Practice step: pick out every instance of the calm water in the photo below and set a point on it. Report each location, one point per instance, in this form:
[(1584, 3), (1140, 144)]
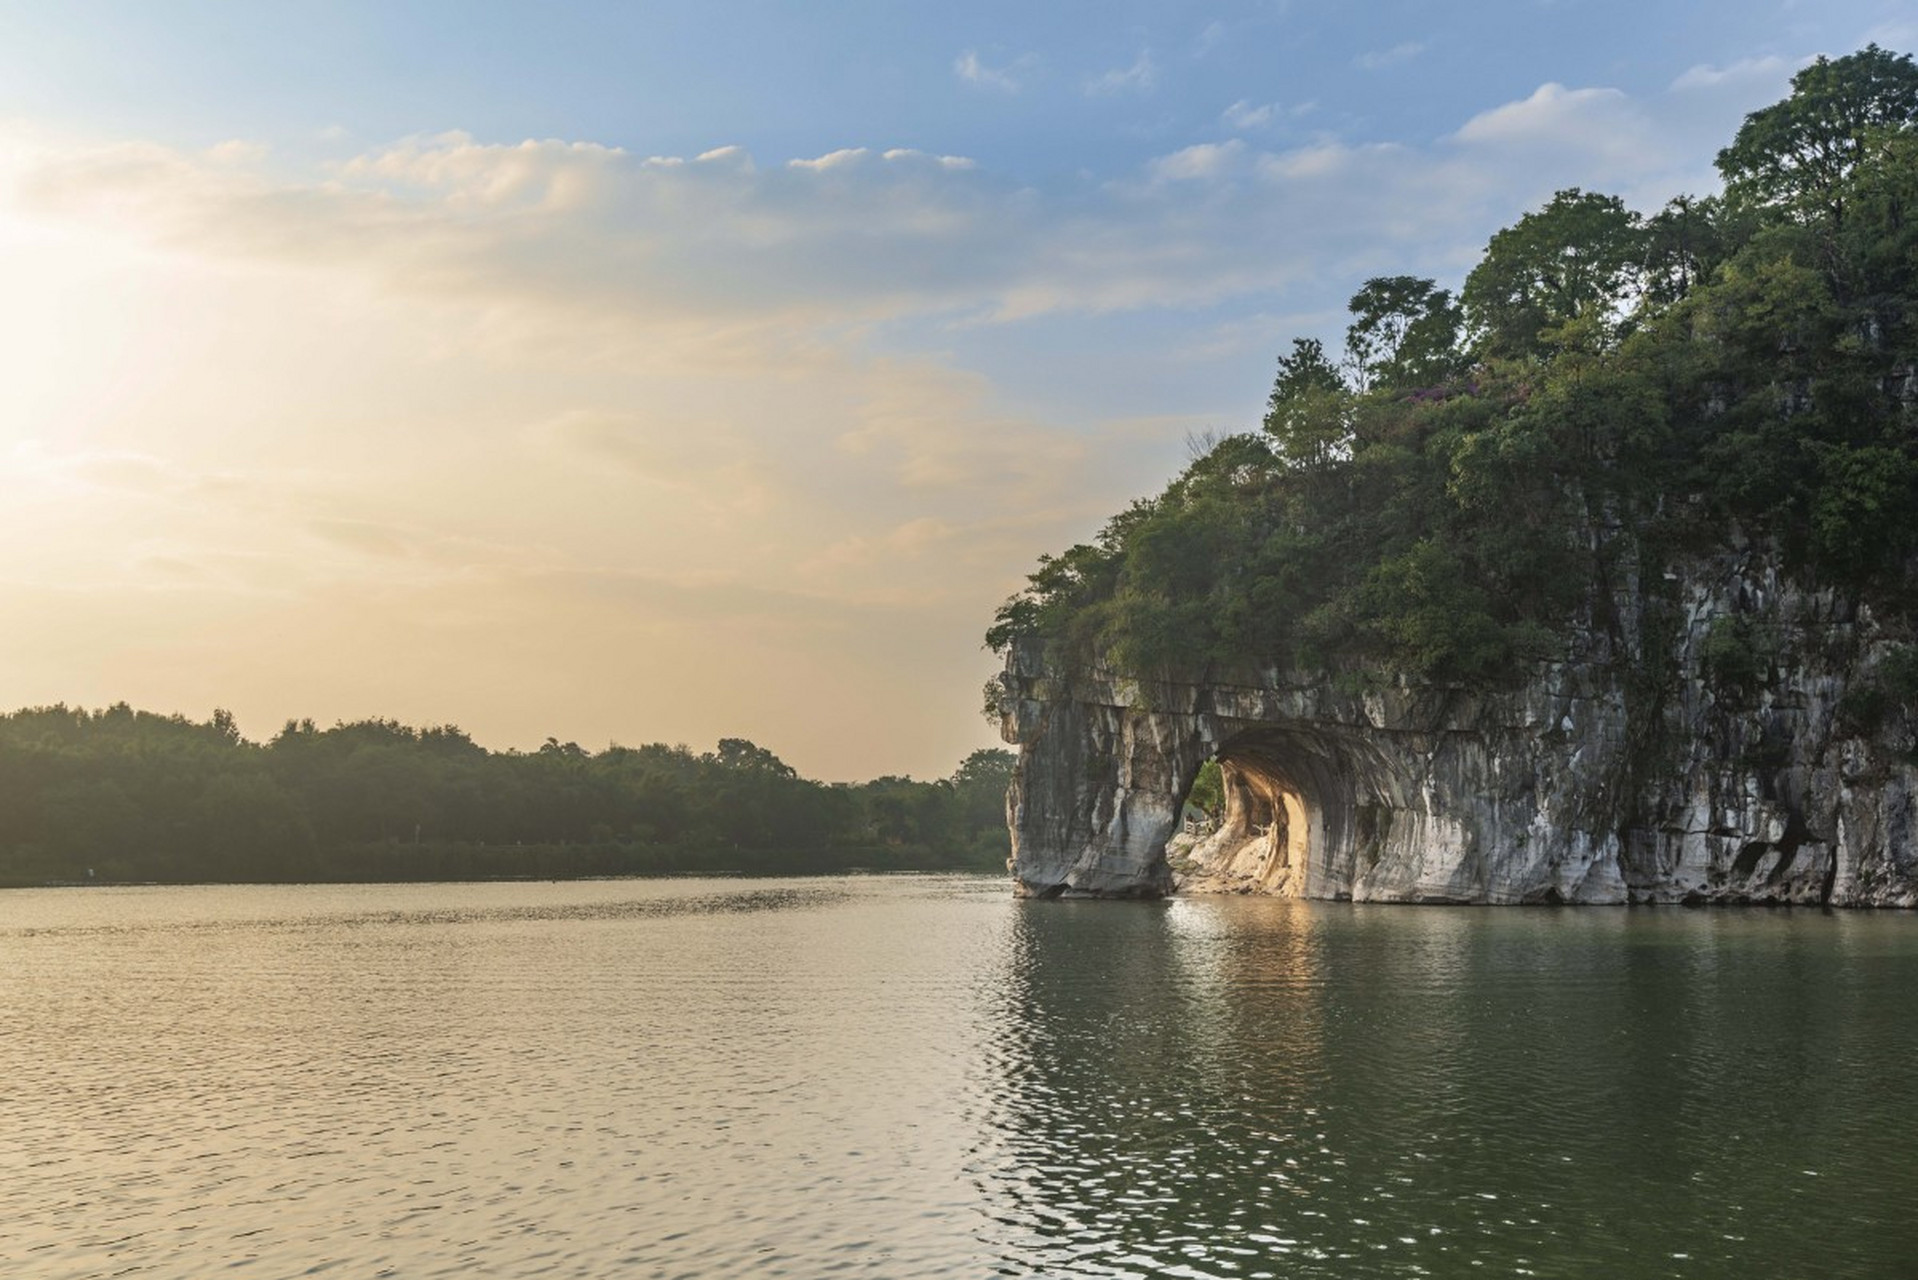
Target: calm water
[(922, 1077)]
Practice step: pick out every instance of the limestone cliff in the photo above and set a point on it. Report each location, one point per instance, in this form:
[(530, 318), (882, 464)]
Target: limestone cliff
[(1639, 766)]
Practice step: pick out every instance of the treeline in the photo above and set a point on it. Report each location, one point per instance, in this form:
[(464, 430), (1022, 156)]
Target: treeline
[(1441, 497), (120, 794)]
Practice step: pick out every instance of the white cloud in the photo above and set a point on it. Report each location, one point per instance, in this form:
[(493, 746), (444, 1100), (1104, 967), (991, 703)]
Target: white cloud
[(1243, 115), (1545, 115), (732, 154), (1379, 59), (907, 155), (1141, 76), (1007, 79), (1203, 161), (1596, 138), (840, 159), (1322, 161), (1705, 76)]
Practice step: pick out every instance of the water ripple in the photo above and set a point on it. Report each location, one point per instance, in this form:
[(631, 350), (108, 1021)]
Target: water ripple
[(906, 1077)]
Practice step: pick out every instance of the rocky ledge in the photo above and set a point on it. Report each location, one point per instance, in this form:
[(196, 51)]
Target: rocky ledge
[(1721, 736)]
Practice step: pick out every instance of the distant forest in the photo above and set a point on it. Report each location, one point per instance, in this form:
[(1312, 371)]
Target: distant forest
[(126, 795)]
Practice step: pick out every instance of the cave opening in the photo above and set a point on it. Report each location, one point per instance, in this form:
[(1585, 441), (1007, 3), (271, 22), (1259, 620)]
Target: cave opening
[(1260, 817)]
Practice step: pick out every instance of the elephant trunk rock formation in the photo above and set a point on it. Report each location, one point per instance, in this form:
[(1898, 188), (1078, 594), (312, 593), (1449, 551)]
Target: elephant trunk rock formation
[(1609, 775)]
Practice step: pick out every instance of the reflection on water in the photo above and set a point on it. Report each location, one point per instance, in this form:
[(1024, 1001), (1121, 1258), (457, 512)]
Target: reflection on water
[(1245, 1087), (922, 1077)]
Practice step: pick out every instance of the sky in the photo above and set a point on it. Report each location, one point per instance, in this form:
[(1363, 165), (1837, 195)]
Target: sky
[(623, 372)]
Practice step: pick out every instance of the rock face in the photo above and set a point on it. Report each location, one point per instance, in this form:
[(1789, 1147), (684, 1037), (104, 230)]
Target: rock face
[(1720, 734)]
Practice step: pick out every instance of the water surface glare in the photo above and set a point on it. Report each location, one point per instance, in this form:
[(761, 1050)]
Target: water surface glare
[(905, 1077)]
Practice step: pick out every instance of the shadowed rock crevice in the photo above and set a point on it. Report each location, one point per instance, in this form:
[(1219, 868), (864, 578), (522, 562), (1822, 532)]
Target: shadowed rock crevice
[(1296, 805)]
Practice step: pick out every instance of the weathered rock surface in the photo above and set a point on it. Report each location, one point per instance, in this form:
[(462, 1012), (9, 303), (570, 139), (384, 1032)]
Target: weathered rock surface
[(1625, 771)]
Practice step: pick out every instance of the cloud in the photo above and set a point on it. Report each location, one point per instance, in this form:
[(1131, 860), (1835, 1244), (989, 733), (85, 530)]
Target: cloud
[(1771, 70), (454, 166), (933, 431), (1323, 161), (1007, 79), (123, 470), (1243, 115), (237, 151), (724, 472), (847, 157), (1595, 138), (1544, 115), (906, 155), (732, 156), (840, 159), (591, 256), (567, 228), (1140, 77), (1204, 160), (910, 541), (1379, 59), (607, 409), (370, 537), (714, 260), (250, 532)]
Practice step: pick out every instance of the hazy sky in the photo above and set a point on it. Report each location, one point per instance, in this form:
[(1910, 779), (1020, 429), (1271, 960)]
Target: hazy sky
[(669, 371)]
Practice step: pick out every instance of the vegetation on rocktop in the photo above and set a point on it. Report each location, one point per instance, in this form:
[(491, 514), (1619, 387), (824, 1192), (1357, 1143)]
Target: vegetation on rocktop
[(129, 795), (1426, 502)]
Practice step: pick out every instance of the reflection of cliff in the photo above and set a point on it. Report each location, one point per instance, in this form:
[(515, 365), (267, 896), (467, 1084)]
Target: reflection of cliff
[(1590, 780), (1229, 1085), (1131, 1045)]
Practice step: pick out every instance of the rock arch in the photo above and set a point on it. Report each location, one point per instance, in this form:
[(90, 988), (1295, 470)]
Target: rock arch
[(1578, 780), (1273, 813), (1402, 794)]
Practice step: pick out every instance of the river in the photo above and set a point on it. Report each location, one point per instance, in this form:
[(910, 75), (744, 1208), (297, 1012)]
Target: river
[(920, 1076)]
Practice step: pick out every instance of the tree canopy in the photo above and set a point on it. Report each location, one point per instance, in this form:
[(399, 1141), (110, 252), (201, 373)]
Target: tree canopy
[(1445, 498), (1404, 333), (1307, 411), (1801, 157), (1571, 261)]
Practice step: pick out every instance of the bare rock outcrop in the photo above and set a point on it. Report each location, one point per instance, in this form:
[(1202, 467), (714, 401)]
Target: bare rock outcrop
[(1714, 736)]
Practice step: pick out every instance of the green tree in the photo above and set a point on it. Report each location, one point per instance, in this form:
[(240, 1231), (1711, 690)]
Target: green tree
[(1684, 243), (750, 757), (1799, 156), (988, 769), (1855, 522), (1208, 791), (1573, 260), (1404, 333), (1308, 414)]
